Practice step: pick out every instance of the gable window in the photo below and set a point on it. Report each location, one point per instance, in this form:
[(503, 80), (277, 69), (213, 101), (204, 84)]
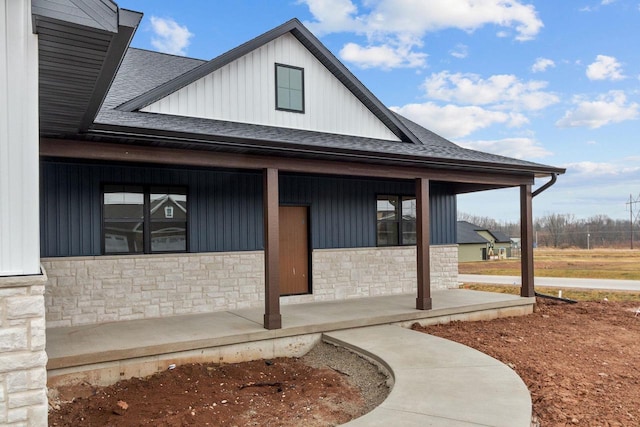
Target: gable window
[(289, 88), (144, 219), (396, 220)]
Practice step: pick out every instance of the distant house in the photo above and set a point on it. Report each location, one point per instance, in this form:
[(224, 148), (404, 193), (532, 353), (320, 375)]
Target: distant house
[(476, 243), (143, 185)]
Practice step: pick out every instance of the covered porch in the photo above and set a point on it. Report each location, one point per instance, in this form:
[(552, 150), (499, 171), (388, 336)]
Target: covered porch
[(107, 352)]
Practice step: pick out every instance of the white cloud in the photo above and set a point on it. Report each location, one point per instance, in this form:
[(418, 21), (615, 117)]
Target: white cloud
[(542, 64), (605, 68), (608, 108), (519, 148), (452, 121), (169, 36), (501, 91), (389, 24), (384, 56), (333, 16), (592, 169), (461, 51), (605, 2)]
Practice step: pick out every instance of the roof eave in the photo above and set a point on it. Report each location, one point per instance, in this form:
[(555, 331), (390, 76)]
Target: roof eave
[(265, 146)]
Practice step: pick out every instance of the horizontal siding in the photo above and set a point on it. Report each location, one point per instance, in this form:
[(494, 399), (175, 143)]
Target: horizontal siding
[(225, 207), (244, 91)]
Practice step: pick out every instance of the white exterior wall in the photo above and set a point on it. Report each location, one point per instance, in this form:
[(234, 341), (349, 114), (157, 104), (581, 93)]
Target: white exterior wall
[(19, 183), (88, 290), (244, 91), (23, 374)]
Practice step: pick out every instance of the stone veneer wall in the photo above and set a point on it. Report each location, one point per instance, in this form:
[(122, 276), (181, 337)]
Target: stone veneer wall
[(368, 272), (88, 290), (23, 374)]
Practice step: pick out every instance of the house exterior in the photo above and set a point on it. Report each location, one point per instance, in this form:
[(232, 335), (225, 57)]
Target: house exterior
[(148, 185), (479, 244)]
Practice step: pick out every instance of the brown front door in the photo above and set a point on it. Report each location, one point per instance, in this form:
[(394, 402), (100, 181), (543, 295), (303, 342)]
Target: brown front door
[(294, 250)]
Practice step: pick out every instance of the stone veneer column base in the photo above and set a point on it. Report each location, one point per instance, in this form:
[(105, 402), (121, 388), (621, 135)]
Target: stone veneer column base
[(23, 374)]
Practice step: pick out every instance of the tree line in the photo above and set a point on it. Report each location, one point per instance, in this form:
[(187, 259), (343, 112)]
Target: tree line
[(565, 230)]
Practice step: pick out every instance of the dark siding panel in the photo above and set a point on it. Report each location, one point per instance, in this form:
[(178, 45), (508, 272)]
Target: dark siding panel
[(343, 210), (225, 207)]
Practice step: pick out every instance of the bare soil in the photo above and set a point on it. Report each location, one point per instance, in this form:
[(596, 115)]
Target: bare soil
[(327, 387), (581, 362)]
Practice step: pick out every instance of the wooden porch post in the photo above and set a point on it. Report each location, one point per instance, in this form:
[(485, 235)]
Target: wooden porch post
[(526, 241), (272, 317), (423, 301)]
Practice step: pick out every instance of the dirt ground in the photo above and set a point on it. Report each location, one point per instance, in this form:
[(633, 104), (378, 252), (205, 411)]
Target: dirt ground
[(581, 362), (328, 386)]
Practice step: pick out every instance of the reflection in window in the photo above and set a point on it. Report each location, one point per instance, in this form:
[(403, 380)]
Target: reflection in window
[(140, 219), (396, 220)]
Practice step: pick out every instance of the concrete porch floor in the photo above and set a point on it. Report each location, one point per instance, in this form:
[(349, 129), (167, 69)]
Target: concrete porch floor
[(78, 347)]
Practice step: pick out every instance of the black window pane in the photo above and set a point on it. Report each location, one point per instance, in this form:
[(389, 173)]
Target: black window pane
[(168, 206), (409, 232), (387, 233), (408, 208), (122, 202), (123, 237), (168, 236), (387, 208)]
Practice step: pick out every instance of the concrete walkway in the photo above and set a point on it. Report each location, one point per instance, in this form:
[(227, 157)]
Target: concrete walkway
[(438, 382), (555, 282)]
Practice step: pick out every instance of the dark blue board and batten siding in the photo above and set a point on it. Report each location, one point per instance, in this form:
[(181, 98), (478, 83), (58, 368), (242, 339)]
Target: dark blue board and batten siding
[(225, 207)]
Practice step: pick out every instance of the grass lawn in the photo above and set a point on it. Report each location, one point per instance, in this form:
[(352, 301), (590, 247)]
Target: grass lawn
[(578, 263)]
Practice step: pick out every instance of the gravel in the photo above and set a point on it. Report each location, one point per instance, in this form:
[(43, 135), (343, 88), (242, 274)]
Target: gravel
[(371, 378)]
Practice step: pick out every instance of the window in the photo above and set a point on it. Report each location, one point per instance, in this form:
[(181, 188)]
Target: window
[(396, 220), (289, 88), (144, 219)]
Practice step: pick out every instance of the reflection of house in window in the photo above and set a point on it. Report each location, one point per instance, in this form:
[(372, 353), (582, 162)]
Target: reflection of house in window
[(140, 219), (396, 220)]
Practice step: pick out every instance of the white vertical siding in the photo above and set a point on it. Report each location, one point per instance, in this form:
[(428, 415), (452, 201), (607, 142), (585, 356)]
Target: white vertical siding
[(19, 183), (244, 91)]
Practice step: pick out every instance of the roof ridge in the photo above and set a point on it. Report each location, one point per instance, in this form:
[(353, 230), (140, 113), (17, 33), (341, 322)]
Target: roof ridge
[(313, 45)]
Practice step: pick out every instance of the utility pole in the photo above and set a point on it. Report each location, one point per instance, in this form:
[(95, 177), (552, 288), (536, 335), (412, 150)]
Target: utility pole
[(632, 219)]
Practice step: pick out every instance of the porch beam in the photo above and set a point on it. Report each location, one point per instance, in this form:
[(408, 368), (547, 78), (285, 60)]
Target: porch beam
[(526, 241), (62, 148), (423, 301), (272, 316)]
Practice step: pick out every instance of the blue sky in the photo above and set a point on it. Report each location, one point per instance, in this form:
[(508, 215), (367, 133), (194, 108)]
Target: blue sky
[(555, 81)]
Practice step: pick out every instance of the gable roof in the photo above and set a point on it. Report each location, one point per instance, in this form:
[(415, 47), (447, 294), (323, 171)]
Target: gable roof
[(141, 71), (307, 39), (468, 234)]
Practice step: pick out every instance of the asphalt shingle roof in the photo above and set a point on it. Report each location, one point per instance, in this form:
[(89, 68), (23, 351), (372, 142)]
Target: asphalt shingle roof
[(143, 70)]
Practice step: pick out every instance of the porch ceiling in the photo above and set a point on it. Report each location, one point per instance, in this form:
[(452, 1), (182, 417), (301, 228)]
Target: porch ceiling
[(80, 48)]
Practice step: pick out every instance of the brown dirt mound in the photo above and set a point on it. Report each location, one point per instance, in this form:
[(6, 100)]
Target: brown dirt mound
[(279, 392)]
